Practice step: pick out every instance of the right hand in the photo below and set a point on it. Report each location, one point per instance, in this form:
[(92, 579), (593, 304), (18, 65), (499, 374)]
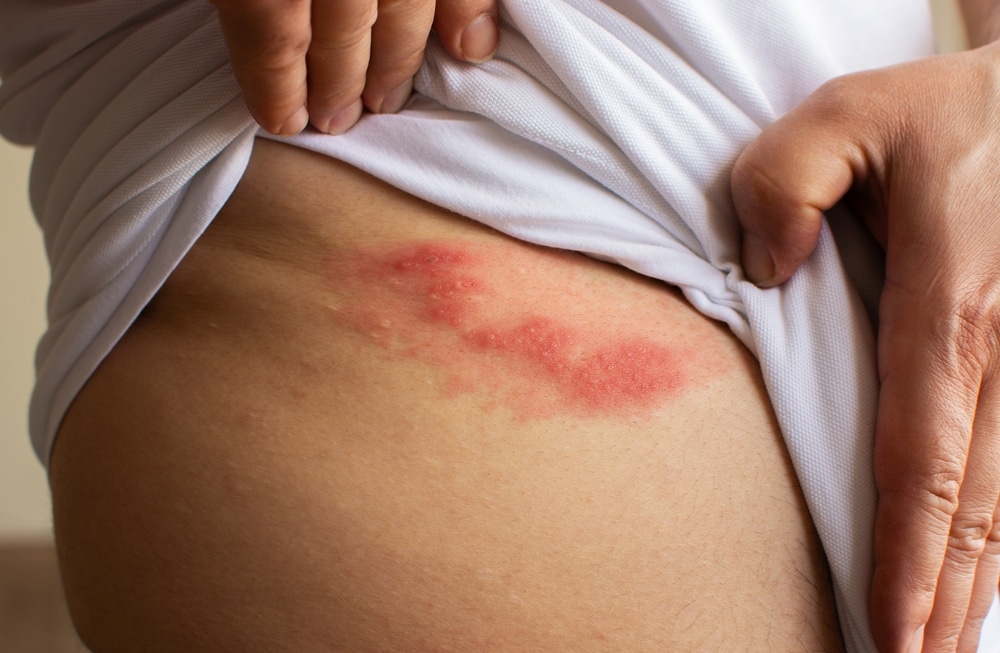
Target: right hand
[(323, 61), (919, 144)]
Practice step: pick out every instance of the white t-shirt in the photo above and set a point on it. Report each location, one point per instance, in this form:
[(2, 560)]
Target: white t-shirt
[(603, 127)]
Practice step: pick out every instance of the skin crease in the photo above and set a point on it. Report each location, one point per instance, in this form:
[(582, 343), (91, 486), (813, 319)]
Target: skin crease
[(917, 146)]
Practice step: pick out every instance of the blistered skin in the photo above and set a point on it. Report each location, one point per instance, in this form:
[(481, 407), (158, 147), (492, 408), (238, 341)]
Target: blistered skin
[(514, 327)]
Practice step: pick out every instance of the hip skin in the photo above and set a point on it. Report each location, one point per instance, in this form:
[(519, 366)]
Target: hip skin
[(352, 421)]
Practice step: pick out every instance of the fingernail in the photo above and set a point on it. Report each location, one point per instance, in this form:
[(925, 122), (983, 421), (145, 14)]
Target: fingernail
[(341, 121), (757, 262), (917, 643), (479, 39), (295, 124), (396, 99)]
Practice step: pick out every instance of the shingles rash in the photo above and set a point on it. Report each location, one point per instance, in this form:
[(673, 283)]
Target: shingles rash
[(491, 320), (623, 372)]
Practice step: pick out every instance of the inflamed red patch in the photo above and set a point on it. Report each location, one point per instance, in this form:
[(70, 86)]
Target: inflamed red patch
[(501, 321)]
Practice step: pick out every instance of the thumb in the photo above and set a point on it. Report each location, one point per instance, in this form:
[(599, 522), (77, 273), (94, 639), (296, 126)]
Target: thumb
[(797, 168)]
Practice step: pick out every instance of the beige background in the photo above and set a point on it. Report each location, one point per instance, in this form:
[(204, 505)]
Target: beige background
[(24, 503)]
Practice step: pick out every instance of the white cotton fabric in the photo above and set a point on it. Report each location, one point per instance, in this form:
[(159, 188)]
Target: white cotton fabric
[(603, 127)]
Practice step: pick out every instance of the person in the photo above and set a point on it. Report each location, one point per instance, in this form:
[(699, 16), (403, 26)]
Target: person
[(382, 503)]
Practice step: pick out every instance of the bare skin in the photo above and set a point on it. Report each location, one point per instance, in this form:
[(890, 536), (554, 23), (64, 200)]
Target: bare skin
[(272, 460), (937, 542)]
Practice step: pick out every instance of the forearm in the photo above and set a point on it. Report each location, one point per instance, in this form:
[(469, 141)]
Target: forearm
[(982, 20)]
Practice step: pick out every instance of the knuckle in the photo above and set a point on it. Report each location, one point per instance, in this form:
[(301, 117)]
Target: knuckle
[(277, 53), (753, 187), (403, 65), (846, 100), (976, 328), (335, 93), (993, 537), (974, 622), (937, 494), (837, 94), (352, 29), (359, 17), (864, 98), (334, 97), (969, 537), (849, 98)]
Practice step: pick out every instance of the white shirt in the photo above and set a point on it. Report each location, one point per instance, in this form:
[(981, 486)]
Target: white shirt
[(603, 127)]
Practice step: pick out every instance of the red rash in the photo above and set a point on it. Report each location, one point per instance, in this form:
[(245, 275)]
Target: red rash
[(478, 315), (627, 372)]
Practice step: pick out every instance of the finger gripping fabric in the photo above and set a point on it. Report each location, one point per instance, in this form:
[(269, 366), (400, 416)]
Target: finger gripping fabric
[(603, 127)]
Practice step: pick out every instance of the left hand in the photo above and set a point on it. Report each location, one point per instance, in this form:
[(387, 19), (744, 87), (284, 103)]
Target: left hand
[(920, 144)]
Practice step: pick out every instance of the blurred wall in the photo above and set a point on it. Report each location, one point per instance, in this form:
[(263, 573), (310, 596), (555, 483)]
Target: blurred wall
[(947, 20), (24, 503), (24, 499)]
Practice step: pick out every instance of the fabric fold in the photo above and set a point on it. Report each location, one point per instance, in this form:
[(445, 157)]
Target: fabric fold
[(607, 128)]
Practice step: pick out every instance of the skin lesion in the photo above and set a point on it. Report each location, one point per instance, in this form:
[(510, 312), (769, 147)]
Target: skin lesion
[(471, 310)]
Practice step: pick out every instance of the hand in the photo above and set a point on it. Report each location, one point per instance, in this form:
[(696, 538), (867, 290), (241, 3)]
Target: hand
[(919, 146), (319, 61)]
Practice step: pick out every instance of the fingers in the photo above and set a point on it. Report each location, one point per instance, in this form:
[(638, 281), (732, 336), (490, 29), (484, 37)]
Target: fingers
[(338, 60), (936, 452), (323, 61), (468, 29), (934, 515), (398, 40), (984, 590), (364, 53), (797, 168), (971, 564), (267, 44)]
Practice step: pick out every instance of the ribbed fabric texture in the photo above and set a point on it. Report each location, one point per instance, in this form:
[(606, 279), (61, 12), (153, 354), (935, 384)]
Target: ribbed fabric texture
[(603, 127)]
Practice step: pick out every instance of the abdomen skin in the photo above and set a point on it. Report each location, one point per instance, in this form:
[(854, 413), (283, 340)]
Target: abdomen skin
[(351, 421)]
